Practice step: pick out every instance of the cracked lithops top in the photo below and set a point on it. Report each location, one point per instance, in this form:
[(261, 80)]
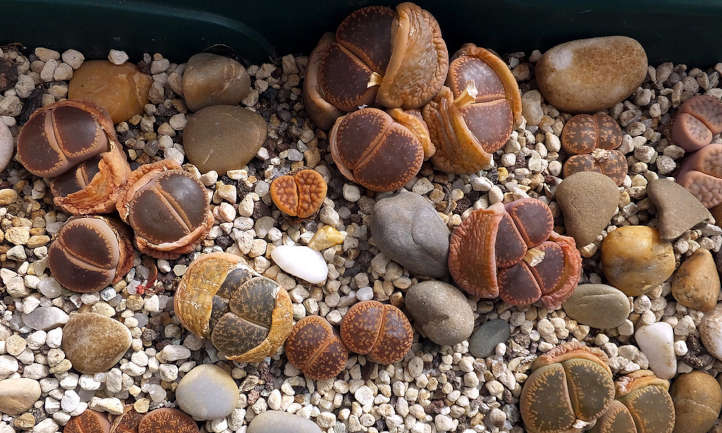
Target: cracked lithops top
[(300, 194), (382, 332), (245, 316), (512, 252), (570, 386)]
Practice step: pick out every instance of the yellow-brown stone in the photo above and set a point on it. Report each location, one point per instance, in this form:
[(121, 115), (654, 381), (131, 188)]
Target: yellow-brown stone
[(696, 283)]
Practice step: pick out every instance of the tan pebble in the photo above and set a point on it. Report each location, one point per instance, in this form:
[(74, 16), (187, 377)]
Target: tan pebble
[(108, 338), (17, 235), (326, 237), (696, 283), (37, 241), (697, 402), (7, 196)]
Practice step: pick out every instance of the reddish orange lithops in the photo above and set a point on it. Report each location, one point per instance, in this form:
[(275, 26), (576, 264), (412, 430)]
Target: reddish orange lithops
[(74, 144), (127, 422), (314, 348), (89, 421), (473, 115), (380, 331), (299, 195), (512, 252), (167, 420), (697, 121)]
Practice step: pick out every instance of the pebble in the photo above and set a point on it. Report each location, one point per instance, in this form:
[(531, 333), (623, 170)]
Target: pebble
[(46, 426), (326, 237), (598, 305), (408, 230), (108, 338), (18, 395), (484, 340), (696, 283), (589, 75), (44, 318), (207, 392), (302, 262), (210, 79), (697, 401), (273, 421), (710, 330), (531, 107), (8, 366), (677, 209), (656, 341), (440, 311), (7, 147), (73, 58), (588, 201), (117, 57)]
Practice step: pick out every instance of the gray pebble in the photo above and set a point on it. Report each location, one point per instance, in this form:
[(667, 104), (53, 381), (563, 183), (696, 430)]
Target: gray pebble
[(7, 146), (45, 318), (485, 339), (273, 421), (598, 305), (440, 311)]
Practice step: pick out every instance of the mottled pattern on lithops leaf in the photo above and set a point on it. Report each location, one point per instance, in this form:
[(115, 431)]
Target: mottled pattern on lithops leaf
[(246, 316), (608, 162), (373, 150), (697, 121), (314, 348), (592, 140), (616, 419), (89, 421), (380, 331), (167, 420), (299, 195), (648, 400), (701, 174), (127, 422)]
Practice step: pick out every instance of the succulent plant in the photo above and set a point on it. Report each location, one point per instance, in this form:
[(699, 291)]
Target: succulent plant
[(167, 420), (314, 348), (382, 332), (89, 421), (300, 195), (697, 120)]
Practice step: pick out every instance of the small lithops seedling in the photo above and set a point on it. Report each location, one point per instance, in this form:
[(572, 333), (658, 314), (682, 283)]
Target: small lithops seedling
[(570, 383), (300, 194), (74, 144), (314, 348), (701, 174), (167, 208), (512, 252), (245, 316), (90, 253), (382, 332), (393, 58), (89, 421), (592, 141), (378, 150), (127, 422), (474, 116), (697, 121), (167, 420), (642, 405)]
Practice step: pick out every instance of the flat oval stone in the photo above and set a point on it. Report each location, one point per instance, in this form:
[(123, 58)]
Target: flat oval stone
[(407, 229), (7, 146), (588, 201), (677, 209), (588, 75), (697, 402), (484, 340), (207, 392), (710, 331), (657, 342), (696, 283), (274, 421), (223, 137), (210, 79), (598, 305), (18, 395), (440, 311), (94, 343), (302, 262)]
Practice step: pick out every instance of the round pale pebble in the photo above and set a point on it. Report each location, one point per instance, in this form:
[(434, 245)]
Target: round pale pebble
[(598, 305), (18, 395), (710, 330), (588, 75), (7, 146), (207, 392), (440, 311), (274, 421), (657, 343), (531, 107), (302, 262)]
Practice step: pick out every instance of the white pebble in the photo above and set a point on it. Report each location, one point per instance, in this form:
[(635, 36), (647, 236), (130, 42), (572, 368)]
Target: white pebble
[(117, 57), (657, 343), (302, 262), (70, 401)]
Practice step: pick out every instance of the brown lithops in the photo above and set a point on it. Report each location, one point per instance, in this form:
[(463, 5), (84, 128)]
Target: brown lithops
[(90, 253), (322, 112), (382, 332), (592, 141), (393, 58), (299, 195), (473, 117), (570, 382), (167, 420), (246, 316), (512, 252), (127, 422), (642, 405), (74, 144), (167, 208), (697, 121), (379, 151), (701, 174), (314, 348), (89, 421)]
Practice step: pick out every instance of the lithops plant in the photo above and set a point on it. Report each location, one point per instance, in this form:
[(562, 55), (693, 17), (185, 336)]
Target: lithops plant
[(395, 58), (642, 405), (378, 150), (473, 117), (314, 348), (381, 332), (697, 121), (90, 253), (167, 208), (701, 174), (73, 144), (300, 194), (89, 421), (592, 141), (167, 420), (245, 316), (511, 251), (128, 421), (570, 386)]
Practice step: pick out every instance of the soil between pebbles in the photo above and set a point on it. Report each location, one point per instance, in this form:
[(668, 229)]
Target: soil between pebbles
[(434, 388)]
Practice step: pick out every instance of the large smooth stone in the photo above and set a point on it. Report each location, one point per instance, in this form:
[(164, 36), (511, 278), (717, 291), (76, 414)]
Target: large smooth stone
[(710, 331), (588, 75), (484, 340), (302, 262), (696, 283), (677, 209), (440, 311), (94, 343), (697, 402), (407, 229), (598, 305), (210, 79), (207, 392), (121, 89), (223, 137), (274, 421), (657, 342), (588, 201), (7, 146), (18, 395)]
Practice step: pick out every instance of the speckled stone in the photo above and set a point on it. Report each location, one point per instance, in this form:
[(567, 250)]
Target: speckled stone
[(598, 305), (440, 311), (207, 392), (94, 343), (18, 395), (485, 339), (274, 421), (677, 209)]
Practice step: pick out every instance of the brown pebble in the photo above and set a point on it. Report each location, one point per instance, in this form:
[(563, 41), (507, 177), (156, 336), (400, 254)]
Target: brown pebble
[(167, 420), (696, 283), (94, 343), (89, 421), (697, 402)]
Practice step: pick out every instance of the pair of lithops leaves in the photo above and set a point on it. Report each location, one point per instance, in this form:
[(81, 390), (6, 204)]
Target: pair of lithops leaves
[(571, 386), (511, 251)]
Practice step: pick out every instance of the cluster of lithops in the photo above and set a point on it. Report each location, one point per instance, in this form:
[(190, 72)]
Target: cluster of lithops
[(156, 421)]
